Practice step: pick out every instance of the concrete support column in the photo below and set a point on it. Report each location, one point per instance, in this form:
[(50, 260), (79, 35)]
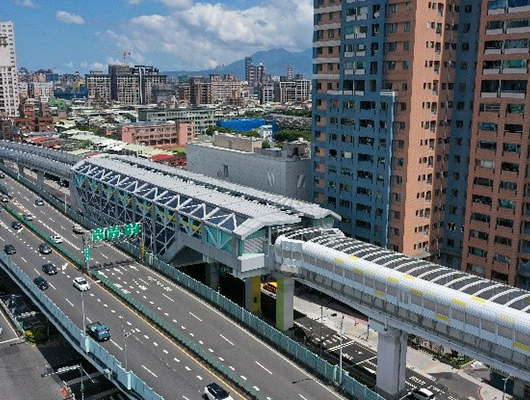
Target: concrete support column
[(253, 295), (20, 169), (284, 303), (40, 179), (212, 275), (391, 360)]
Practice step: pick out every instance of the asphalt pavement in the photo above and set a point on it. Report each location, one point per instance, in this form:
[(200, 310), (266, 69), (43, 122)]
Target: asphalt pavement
[(157, 360)]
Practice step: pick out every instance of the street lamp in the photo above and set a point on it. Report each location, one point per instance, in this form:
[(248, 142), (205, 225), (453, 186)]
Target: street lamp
[(340, 353), (506, 379), (126, 334)]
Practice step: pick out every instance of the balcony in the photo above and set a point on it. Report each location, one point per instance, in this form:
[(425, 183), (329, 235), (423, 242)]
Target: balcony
[(512, 94), (515, 70), (515, 50), (522, 29), (493, 50), (494, 32), (489, 94), (491, 71)]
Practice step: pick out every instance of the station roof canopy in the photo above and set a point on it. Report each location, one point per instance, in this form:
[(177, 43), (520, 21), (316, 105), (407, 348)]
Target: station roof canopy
[(229, 206)]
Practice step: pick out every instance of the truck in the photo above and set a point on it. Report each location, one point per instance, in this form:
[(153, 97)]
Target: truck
[(98, 331)]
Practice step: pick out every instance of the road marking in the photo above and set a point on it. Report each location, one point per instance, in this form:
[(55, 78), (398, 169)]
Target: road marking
[(52, 220), (194, 316), (175, 321), (201, 342), (148, 370), (183, 327), (167, 297), (210, 350), (1, 238), (302, 396), (62, 227), (221, 359), (263, 367), (128, 323), (227, 340), (36, 271), (69, 302), (140, 279), (147, 337), (176, 359), (51, 284), (155, 344), (113, 311), (232, 368), (243, 377), (103, 255), (116, 344), (185, 398), (88, 319), (199, 377), (187, 368), (165, 351), (23, 259), (105, 305), (192, 335)]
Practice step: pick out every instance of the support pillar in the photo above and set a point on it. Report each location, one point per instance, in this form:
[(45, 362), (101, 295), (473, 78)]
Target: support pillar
[(253, 295), (212, 275), (40, 178), (21, 169), (284, 303), (391, 360)]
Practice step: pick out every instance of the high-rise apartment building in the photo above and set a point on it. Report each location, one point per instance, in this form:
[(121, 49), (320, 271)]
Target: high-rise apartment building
[(9, 101), (248, 67), (290, 72), (497, 221), (384, 98)]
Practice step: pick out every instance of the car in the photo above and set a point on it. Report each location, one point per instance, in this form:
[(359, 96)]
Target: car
[(78, 229), (215, 392), (56, 239), (44, 248), (16, 225), (2, 176), (41, 283), (29, 216), (39, 202), (5, 199), (49, 269), (81, 284), (422, 394), (9, 249)]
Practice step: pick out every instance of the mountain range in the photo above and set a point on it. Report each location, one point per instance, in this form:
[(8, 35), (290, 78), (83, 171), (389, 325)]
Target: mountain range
[(275, 61)]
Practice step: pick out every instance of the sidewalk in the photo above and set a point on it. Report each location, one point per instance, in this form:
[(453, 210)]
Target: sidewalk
[(356, 328)]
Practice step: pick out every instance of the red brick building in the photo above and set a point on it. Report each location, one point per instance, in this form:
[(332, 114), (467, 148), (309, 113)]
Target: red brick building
[(158, 134)]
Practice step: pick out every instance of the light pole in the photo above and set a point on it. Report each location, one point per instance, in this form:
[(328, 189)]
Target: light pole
[(340, 352), (321, 323), (505, 382), (126, 334), (65, 202)]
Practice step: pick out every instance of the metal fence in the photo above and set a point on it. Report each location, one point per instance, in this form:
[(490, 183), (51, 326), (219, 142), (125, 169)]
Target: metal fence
[(282, 342), (128, 381)]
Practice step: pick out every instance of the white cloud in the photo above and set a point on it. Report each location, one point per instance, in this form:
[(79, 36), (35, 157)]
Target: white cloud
[(97, 66), (133, 2), (69, 18), (181, 4), (69, 64), (84, 64), (25, 3), (205, 35)]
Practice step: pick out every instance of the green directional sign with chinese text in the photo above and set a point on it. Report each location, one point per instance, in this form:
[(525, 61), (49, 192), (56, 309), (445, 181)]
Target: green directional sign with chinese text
[(113, 232), (98, 234), (132, 229)]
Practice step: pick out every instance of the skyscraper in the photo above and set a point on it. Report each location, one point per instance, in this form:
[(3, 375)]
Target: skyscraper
[(9, 101), (383, 96), (497, 221), (290, 72), (248, 67)]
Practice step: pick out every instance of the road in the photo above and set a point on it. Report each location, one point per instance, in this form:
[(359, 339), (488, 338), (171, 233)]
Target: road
[(159, 362)]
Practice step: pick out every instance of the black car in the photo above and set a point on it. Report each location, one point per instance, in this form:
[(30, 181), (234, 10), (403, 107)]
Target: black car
[(16, 225), (49, 268), (9, 249), (44, 248), (39, 202), (41, 283)]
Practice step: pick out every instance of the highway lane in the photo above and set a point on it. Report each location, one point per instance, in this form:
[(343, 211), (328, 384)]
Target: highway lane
[(165, 367), (232, 345)]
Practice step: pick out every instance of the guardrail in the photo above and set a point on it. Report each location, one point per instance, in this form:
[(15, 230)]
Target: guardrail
[(96, 354), (282, 342)]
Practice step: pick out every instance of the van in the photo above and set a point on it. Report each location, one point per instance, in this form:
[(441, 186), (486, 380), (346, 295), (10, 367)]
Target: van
[(423, 394)]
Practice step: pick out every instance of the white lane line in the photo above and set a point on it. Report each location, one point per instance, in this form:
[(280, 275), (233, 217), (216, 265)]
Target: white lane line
[(52, 220), (263, 367), (88, 319), (1, 238), (194, 316), (140, 279), (151, 372), (34, 269), (155, 344), (167, 297), (51, 284), (116, 344), (187, 368), (201, 342), (62, 227), (199, 377), (69, 302), (185, 398), (176, 359), (227, 340), (165, 351), (103, 255), (23, 259), (128, 323), (302, 396)]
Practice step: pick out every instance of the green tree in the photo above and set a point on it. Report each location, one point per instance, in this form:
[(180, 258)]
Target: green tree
[(291, 135)]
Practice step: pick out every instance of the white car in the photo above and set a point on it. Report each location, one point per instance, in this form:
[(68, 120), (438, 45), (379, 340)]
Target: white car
[(29, 216), (81, 283), (423, 394), (215, 392), (78, 229), (56, 239)]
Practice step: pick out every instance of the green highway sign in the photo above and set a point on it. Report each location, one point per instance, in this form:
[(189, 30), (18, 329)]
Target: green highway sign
[(113, 232), (132, 229), (86, 253), (98, 234)]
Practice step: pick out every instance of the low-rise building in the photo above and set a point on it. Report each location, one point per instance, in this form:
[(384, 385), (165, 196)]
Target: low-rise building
[(202, 118), (158, 134), (242, 160)]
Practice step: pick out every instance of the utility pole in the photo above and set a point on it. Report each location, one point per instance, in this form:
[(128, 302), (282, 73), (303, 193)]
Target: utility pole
[(321, 323), (340, 353)]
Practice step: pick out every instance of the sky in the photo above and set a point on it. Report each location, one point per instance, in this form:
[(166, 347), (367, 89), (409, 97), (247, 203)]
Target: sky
[(83, 35)]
